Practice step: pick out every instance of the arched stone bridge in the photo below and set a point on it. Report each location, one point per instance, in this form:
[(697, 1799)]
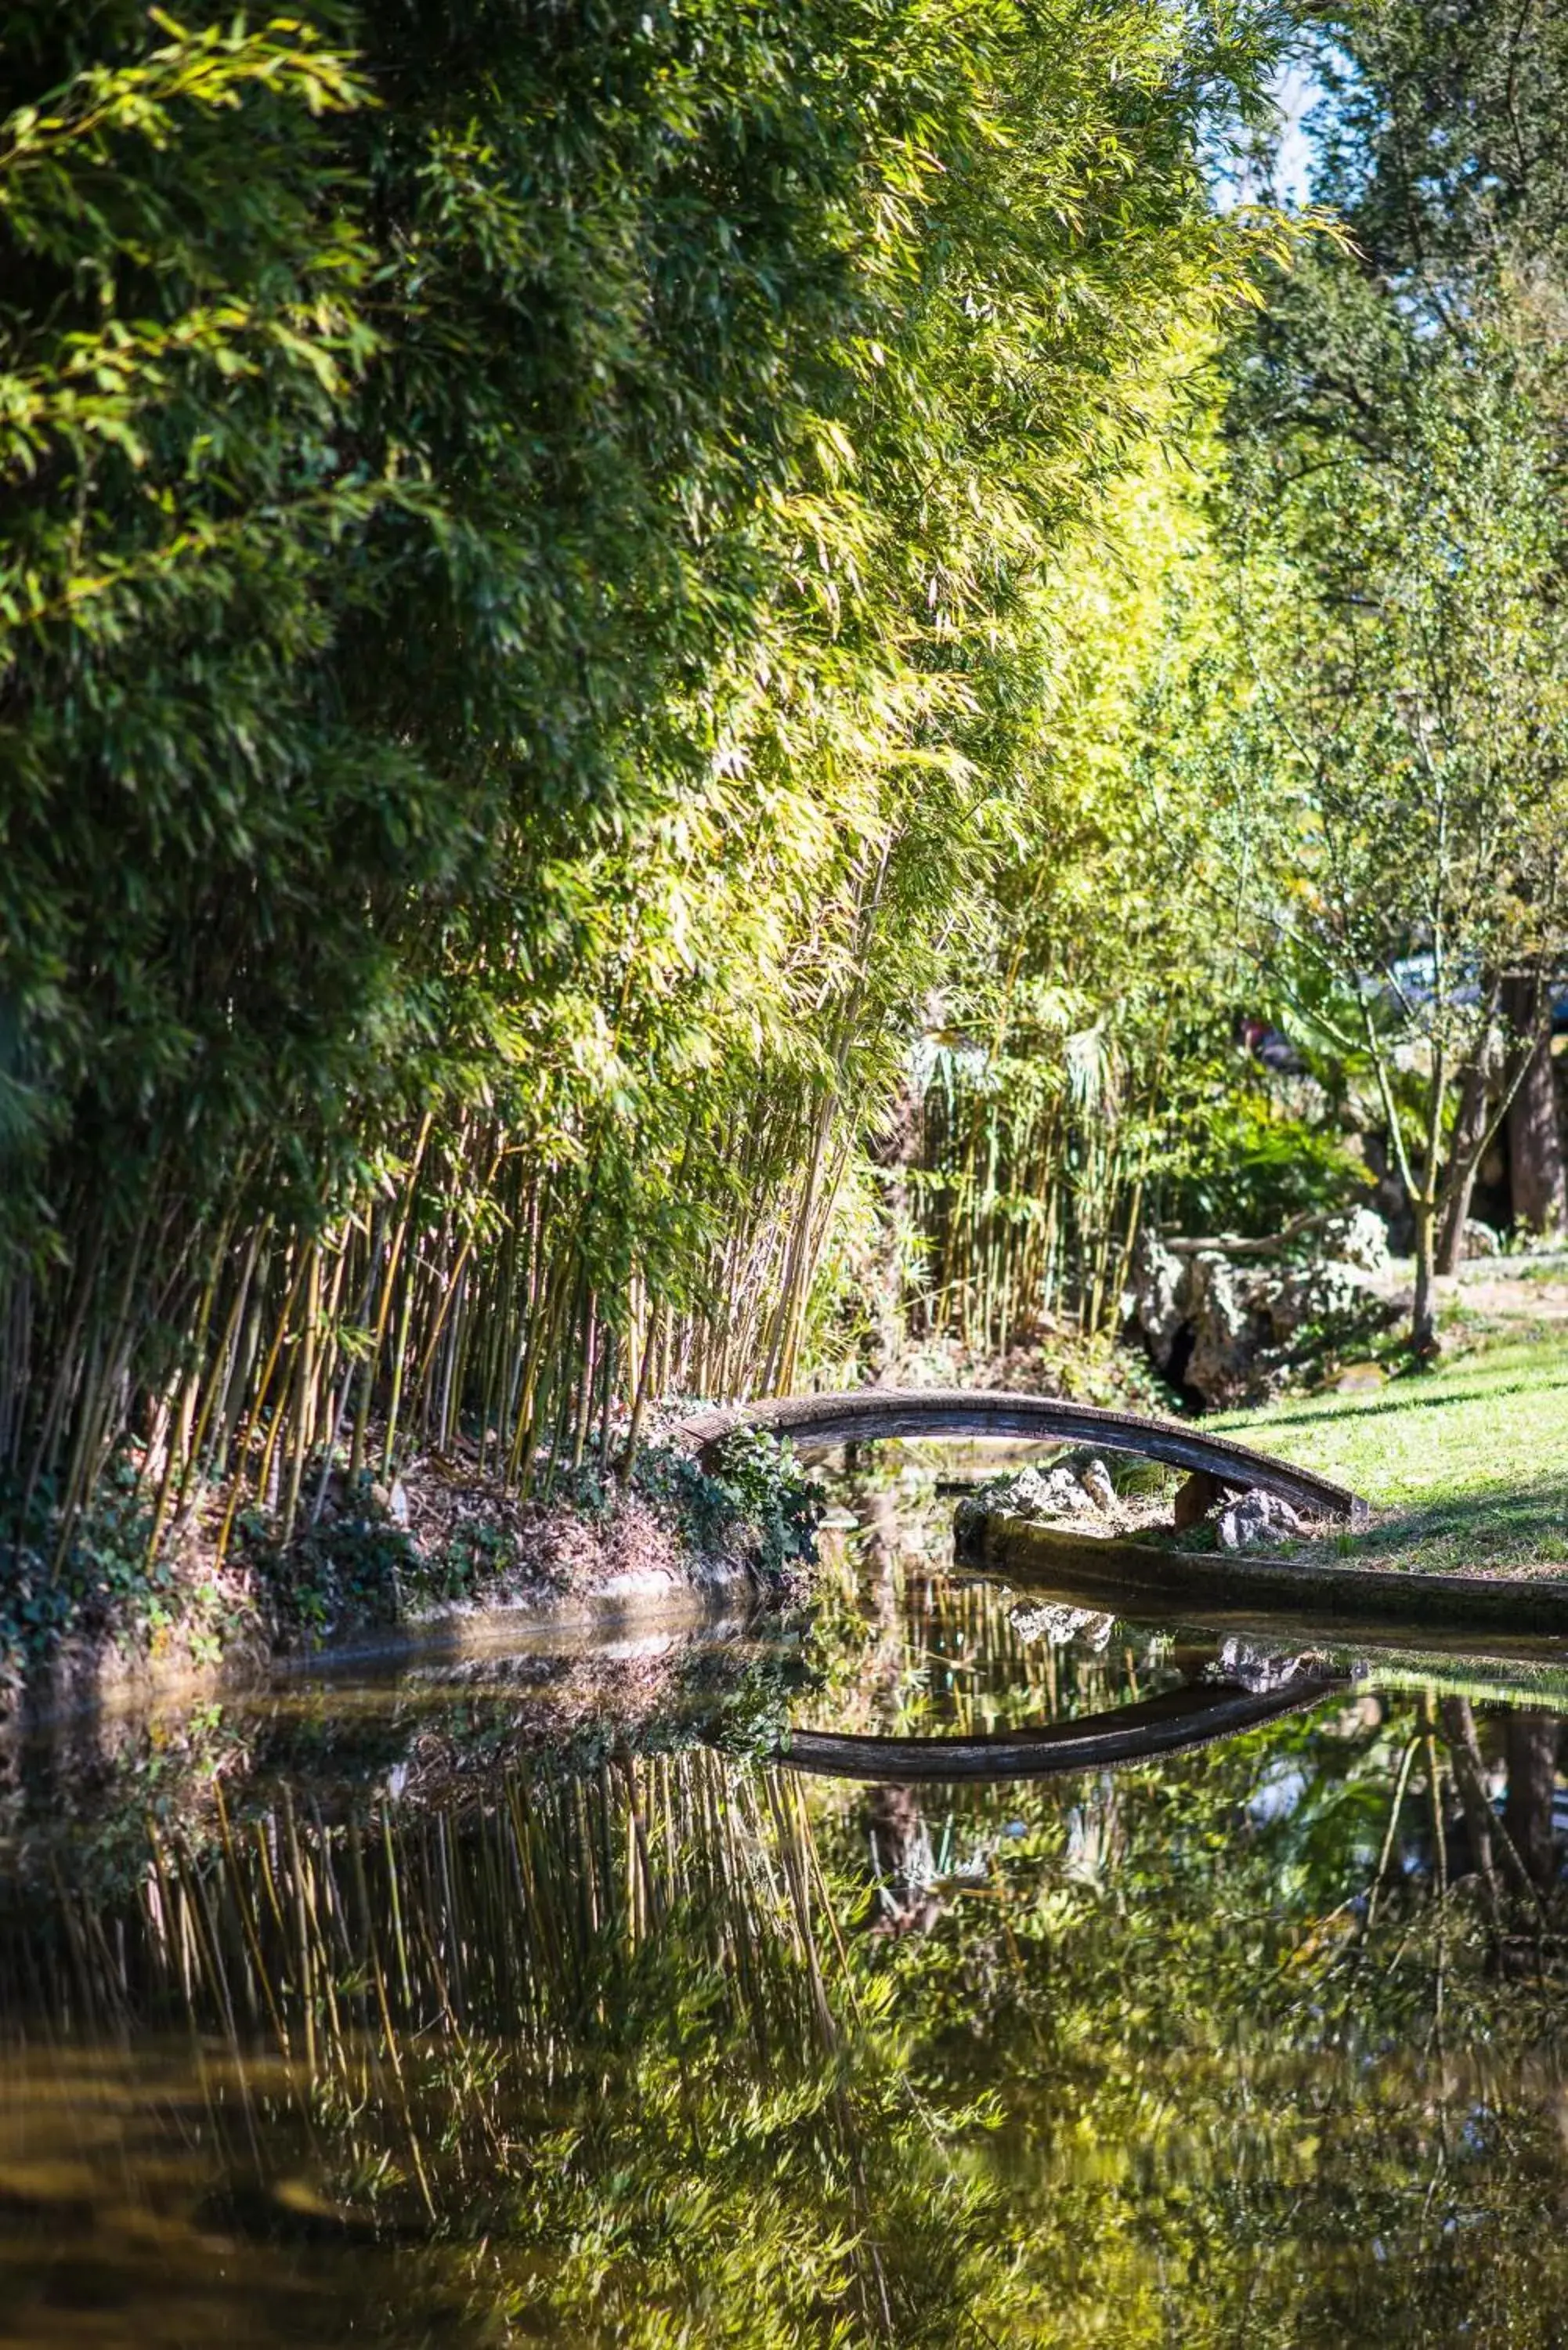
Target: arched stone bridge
[(864, 1413)]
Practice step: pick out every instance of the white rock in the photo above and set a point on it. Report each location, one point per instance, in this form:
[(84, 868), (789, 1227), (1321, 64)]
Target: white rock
[(1048, 1493), (1359, 1237), (1056, 1622), (1264, 1668), (1096, 1481), (1256, 1517)]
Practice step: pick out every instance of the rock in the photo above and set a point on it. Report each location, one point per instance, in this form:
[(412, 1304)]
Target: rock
[(1478, 1239), (1155, 1301), (1231, 1330), (1228, 1331), (1096, 1481), (1058, 1623), (1334, 1298), (1257, 1517), (1044, 1493), (1047, 1495), (1359, 1238), (1264, 1668)]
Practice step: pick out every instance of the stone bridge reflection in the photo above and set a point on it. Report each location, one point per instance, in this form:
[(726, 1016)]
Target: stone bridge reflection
[(1194, 1715)]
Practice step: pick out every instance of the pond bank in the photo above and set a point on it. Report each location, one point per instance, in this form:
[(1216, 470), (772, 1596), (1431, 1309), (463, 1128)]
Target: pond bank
[(1024, 1551), (1466, 1467), (383, 1570)]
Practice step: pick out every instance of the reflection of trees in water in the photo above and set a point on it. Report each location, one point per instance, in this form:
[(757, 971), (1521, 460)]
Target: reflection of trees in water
[(905, 1898), (609, 2023), (608, 2050), (928, 1637), (903, 1865), (1532, 1740)]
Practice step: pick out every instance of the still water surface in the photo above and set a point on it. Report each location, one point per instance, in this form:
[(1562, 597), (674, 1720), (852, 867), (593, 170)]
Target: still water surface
[(518, 1996)]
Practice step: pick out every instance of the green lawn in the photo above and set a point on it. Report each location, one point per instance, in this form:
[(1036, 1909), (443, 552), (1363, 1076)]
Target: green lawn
[(1466, 1465)]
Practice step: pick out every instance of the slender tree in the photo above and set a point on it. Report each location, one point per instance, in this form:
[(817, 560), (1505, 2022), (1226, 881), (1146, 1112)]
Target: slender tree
[(1402, 744)]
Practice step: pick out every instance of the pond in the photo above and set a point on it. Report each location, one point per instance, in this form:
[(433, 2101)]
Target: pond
[(516, 1994)]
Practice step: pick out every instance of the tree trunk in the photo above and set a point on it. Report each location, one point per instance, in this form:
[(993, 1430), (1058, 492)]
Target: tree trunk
[(1537, 1173), (1464, 1752), (1531, 1739), (1469, 1135), (1424, 1311)]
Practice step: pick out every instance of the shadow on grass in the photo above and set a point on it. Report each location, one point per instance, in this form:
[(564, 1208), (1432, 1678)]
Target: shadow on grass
[(1497, 1525), (1399, 1400)]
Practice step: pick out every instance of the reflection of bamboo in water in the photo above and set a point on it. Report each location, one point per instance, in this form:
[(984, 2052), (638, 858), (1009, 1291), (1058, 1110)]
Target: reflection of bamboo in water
[(947, 1646), (418, 1983), (449, 1991), (1390, 1836), (898, 1842), (957, 1622), (534, 1898)]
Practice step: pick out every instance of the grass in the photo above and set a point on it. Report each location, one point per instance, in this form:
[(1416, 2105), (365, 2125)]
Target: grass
[(1466, 1465)]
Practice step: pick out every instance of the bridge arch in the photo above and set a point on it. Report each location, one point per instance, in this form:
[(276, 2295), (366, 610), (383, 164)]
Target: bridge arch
[(862, 1414)]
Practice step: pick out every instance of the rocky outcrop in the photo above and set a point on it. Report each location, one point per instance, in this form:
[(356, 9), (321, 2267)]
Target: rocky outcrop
[(1074, 1493), (1228, 1323), (1059, 1491)]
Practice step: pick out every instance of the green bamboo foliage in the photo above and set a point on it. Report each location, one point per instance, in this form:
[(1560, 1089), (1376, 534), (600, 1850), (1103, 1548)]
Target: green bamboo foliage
[(1087, 1014), (525, 644)]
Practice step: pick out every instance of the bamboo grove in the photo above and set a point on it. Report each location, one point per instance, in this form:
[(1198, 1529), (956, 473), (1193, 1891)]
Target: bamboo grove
[(1080, 1083), (666, 675), (532, 601)]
